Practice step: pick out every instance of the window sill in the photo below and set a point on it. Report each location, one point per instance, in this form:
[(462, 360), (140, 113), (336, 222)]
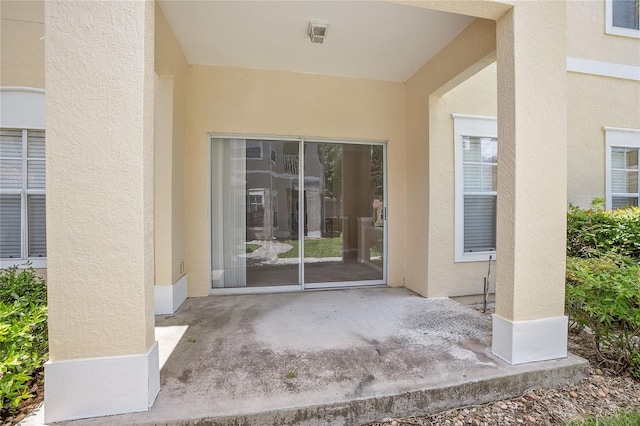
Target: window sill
[(36, 263), (475, 257), (623, 32)]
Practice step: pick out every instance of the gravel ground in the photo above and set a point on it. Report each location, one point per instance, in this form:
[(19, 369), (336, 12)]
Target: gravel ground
[(600, 394)]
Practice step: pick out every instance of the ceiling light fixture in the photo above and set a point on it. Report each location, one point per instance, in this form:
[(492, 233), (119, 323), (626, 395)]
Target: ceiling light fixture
[(317, 31)]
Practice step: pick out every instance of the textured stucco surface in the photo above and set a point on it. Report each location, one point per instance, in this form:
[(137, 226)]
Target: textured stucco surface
[(245, 101), (172, 69), (587, 39), (99, 178), (481, 9), (22, 43), (595, 102), (476, 96), (467, 54), (163, 168), (263, 102), (532, 131)]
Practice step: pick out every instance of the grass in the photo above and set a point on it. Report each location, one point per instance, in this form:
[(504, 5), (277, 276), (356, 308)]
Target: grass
[(291, 374), (620, 419), (322, 247), (250, 248)]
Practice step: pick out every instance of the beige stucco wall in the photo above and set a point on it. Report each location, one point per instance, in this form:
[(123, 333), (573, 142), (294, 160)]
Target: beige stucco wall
[(22, 43), (99, 179), (476, 96), (595, 102), (226, 100), (467, 54), (532, 132), (172, 69), (586, 37), (487, 9), (236, 100)]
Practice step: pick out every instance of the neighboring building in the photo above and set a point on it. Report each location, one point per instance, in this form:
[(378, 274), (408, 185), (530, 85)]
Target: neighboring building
[(191, 144)]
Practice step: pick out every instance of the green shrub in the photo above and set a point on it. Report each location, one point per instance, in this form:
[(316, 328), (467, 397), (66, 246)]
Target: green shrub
[(603, 294), (22, 285), (23, 335), (594, 232)]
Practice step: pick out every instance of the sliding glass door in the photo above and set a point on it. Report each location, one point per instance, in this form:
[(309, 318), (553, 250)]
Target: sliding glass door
[(344, 209), (276, 202)]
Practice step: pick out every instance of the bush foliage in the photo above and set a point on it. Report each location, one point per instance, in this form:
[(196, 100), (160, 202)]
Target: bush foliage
[(596, 231), (603, 294), (23, 335), (603, 282)]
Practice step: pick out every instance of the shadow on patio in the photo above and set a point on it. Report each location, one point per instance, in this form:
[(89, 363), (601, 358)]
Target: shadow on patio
[(329, 357)]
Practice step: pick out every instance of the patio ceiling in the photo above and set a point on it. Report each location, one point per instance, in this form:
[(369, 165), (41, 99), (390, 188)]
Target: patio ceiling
[(366, 39)]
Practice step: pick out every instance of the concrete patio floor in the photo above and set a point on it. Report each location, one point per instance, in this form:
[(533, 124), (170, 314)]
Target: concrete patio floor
[(329, 357)]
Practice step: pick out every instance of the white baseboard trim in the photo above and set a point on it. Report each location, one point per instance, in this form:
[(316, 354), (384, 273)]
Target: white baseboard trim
[(92, 387), (520, 342), (168, 298)]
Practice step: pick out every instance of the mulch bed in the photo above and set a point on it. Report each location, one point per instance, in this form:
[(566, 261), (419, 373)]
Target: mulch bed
[(26, 407)]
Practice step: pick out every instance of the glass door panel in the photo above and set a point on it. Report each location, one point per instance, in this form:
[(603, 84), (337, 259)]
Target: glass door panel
[(343, 213), (255, 213)]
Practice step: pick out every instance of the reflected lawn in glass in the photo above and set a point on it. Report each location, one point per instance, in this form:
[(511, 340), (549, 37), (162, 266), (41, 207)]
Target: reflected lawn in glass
[(315, 248)]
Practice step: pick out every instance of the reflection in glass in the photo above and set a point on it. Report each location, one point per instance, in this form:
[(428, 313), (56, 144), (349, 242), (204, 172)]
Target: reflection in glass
[(632, 158), (622, 202), (260, 211), (344, 204), (254, 187), (480, 176), (479, 159)]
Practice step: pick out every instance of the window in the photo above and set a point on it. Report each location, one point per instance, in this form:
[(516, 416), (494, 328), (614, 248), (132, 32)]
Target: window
[(22, 176), (255, 208), (274, 157), (246, 150), (22, 195), (254, 150), (623, 17), (274, 210), (623, 177), (476, 166)]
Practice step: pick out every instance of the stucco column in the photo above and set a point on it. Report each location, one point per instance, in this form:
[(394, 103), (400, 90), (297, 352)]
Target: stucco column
[(529, 324), (99, 118)]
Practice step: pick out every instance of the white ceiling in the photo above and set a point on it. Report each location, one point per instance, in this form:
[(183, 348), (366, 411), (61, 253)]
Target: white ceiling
[(365, 39)]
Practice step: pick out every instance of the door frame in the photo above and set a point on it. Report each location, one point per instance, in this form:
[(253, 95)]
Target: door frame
[(212, 136)]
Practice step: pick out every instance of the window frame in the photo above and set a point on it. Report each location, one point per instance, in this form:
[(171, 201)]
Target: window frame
[(613, 30), (475, 126), (617, 137), (256, 192), (23, 109)]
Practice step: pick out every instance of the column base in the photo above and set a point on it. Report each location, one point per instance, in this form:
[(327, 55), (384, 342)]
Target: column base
[(168, 298), (529, 341), (92, 387)]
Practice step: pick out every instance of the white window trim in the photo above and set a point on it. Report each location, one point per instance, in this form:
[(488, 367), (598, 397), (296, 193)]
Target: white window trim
[(620, 138), (604, 69), (261, 156), (23, 108), (253, 192), (611, 29), (468, 125)]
